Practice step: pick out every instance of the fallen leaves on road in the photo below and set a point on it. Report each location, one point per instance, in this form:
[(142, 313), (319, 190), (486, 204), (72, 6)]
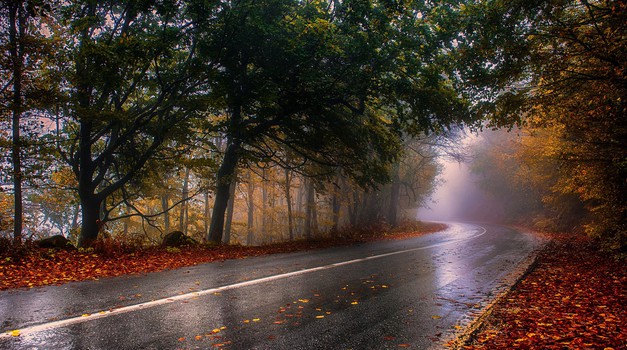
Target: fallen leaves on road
[(573, 299), (53, 267)]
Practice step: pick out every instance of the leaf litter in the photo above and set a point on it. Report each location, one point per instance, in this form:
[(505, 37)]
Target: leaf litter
[(575, 298), (40, 267)]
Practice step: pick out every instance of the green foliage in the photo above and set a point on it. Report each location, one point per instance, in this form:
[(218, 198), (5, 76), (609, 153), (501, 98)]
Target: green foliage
[(142, 90), (173, 250), (131, 92)]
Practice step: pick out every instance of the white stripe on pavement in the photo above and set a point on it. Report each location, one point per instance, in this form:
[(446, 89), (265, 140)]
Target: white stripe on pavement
[(106, 313)]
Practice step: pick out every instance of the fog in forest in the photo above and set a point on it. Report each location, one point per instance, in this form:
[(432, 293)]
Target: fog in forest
[(459, 195)]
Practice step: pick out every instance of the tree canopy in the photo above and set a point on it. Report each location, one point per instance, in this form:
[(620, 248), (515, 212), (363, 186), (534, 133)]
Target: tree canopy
[(570, 93), (142, 96)]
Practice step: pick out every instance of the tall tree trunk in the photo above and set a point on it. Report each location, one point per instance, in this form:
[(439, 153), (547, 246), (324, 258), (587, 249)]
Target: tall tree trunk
[(336, 203), (74, 224), (207, 213), (288, 199), (85, 167), (90, 202), (91, 224), (264, 205), (251, 209), (353, 209), (165, 205), (300, 207), (271, 214), (16, 35), (225, 176), (229, 211), (370, 212), (310, 211), (336, 211), (314, 216), (184, 195), (126, 220), (394, 196)]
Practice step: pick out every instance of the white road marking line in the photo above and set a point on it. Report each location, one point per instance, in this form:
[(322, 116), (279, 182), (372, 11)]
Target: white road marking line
[(106, 313)]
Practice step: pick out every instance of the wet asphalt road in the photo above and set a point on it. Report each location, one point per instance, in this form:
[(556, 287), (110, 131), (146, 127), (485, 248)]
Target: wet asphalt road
[(413, 293)]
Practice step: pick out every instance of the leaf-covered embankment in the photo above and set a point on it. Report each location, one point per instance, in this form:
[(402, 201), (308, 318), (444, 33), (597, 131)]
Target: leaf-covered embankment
[(575, 298), (39, 267)]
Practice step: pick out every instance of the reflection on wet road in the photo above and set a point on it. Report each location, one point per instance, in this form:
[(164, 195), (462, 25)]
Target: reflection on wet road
[(412, 293)]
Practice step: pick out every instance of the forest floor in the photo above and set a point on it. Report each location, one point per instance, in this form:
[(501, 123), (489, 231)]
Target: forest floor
[(31, 266), (574, 297)]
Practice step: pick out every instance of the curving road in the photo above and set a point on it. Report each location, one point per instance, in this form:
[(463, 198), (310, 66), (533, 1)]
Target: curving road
[(414, 293)]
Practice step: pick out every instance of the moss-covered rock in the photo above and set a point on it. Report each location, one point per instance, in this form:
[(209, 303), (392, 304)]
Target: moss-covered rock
[(56, 242), (177, 239)]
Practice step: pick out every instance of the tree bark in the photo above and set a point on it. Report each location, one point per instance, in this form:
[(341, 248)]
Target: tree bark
[(336, 205), (74, 224), (314, 214), (84, 167), (225, 176), (229, 212), (16, 34), (310, 211), (165, 205), (184, 195), (90, 202), (353, 209), (300, 197), (91, 224), (251, 209), (288, 199), (127, 210), (264, 206), (207, 213), (394, 196)]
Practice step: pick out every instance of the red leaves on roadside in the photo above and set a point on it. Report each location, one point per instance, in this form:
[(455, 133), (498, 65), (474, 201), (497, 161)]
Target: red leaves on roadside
[(574, 298), (39, 267)]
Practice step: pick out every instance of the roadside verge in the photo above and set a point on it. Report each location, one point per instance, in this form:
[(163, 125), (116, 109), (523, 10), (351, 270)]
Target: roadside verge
[(572, 296)]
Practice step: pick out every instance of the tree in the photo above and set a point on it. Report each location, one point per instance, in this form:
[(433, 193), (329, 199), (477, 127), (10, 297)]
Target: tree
[(275, 91), (287, 186), (17, 24), (135, 79), (561, 66), (25, 49), (335, 83)]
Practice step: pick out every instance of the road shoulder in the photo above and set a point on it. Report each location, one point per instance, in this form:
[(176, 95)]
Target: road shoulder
[(571, 296)]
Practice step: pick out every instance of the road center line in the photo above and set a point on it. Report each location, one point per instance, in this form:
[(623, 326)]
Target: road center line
[(179, 297)]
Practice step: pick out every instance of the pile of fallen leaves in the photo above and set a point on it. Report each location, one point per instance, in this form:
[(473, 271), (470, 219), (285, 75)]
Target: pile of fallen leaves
[(39, 266), (575, 298)]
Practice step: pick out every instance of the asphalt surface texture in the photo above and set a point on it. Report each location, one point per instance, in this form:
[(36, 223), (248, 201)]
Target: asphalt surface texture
[(415, 293)]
